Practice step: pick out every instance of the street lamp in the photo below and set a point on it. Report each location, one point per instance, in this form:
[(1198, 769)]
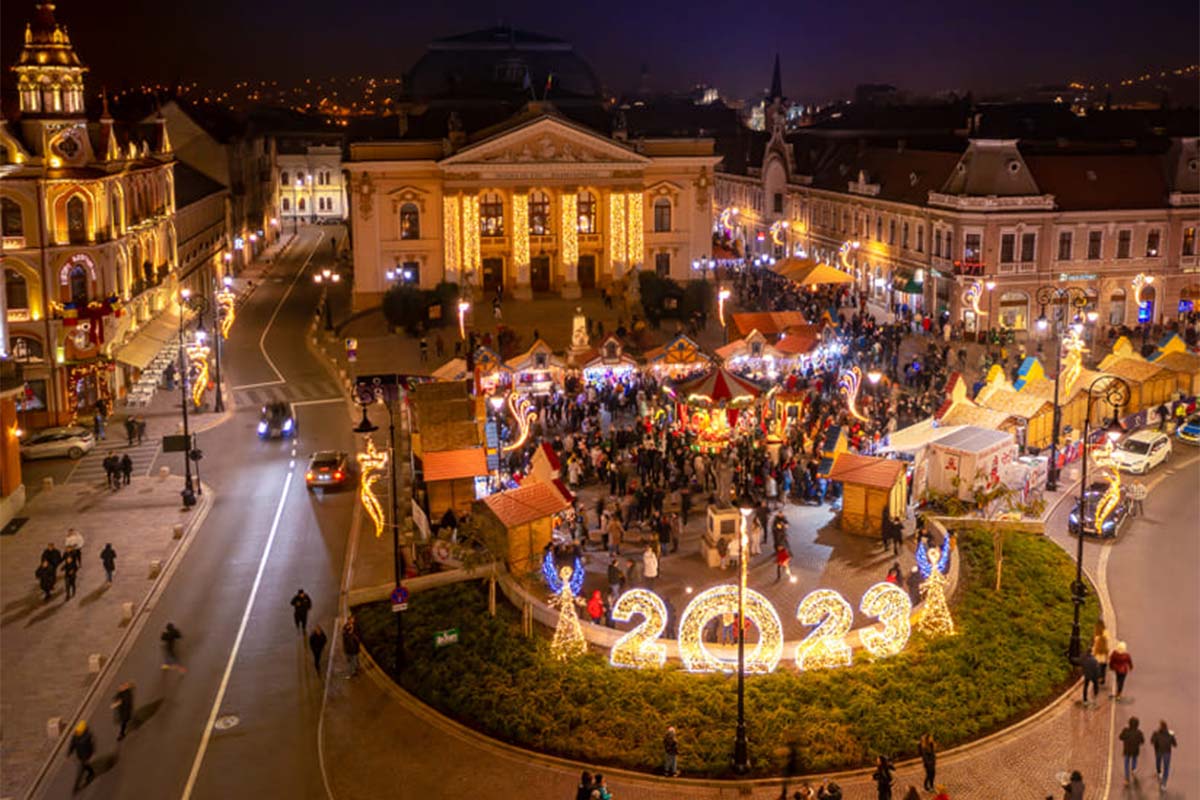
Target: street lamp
[(741, 747), (195, 303), (1115, 392), (325, 277), (1073, 297), (989, 285)]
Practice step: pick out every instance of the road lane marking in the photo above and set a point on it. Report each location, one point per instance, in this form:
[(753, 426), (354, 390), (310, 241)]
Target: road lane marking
[(262, 339), (326, 401), (237, 643)]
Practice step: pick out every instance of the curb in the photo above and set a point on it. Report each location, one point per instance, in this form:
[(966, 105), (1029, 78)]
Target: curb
[(117, 656)]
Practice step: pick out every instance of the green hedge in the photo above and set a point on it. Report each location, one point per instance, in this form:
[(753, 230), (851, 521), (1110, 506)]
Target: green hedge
[(1007, 660)]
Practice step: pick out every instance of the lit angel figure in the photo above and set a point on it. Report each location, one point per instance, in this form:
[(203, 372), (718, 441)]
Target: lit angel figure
[(566, 583), (935, 619)]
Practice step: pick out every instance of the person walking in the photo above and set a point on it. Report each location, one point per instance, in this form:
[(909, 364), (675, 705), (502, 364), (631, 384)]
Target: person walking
[(671, 753), (1132, 740), (1100, 648), (1162, 740), (169, 637), (595, 607), (141, 428), (649, 566), (122, 706), (1074, 788), (927, 749), (1137, 494), (615, 576), (74, 540), (52, 555), (46, 577), (883, 778), (782, 560), (126, 469), (316, 643), (1091, 677), (83, 747), (108, 558), (351, 645), (584, 790), (130, 430), (1120, 663), (301, 605), (70, 574)]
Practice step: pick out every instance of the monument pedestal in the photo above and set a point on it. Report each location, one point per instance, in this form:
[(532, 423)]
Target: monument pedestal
[(571, 291)]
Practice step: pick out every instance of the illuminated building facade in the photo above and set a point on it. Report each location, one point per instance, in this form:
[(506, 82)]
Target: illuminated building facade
[(311, 188)]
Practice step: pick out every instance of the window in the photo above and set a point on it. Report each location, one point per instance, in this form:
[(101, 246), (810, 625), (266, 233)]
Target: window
[(1189, 241), (879, 229), (1064, 245), (1014, 310), (491, 215), (283, 178), (1007, 247), (949, 249), (662, 264), (10, 218), (16, 290), (662, 215), (585, 204), (410, 272), (1116, 308), (26, 348), (892, 232), (778, 202), (1095, 245), (1028, 248), (410, 221), (539, 214), (1152, 243), (904, 236), (1124, 243), (937, 244), (76, 222), (972, 247), (287, 204), (78, 283), (302, 204)]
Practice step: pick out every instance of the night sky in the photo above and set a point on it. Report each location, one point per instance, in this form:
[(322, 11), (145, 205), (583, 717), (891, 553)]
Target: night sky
[(826, 47)]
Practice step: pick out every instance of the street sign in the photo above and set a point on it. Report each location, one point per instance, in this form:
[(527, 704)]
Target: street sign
[(351, 349), (399, 598), (370, 388), (175, 444), (445, 638)]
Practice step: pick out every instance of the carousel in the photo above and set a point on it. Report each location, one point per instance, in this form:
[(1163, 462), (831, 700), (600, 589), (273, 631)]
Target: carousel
[(716, 408)]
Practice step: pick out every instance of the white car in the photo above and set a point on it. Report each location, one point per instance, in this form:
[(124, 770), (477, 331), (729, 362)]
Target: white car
[(1142, 451), (72, 442)]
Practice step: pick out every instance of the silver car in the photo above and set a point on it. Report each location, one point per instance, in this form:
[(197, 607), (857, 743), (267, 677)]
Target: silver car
[(72, 442)]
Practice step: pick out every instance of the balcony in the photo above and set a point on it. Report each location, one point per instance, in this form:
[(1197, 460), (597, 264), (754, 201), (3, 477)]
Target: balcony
[(14, 243)]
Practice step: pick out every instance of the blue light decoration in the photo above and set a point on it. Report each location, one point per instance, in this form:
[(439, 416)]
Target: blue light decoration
[(926, 566), (1144, 309), (550, 573)]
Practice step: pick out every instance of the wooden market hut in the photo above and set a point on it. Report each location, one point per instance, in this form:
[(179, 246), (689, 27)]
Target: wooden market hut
[(1150, 385), (1026, 408), (871, 487), (527, 514), (680, 356), (609, 359), (447, 446), (537, 371), (768, 323), (1173, 354)]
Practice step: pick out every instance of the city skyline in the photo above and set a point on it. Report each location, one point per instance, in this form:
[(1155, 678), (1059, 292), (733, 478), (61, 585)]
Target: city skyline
[(270, 41)]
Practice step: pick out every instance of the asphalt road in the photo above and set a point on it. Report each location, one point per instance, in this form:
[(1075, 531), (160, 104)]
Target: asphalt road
[(264, 538)]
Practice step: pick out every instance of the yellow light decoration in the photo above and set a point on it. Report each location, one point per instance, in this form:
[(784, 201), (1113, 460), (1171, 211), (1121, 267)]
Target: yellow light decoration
[(765, 655), (726, 218), (849, 382), (470, 239), (844, 255), (1112, 473), (463, 307), (972, 295), (525, 413), (570, 230), (198, 358), (616, 216), (225, 300), (450, 241), (826, 646), (638, 648), (779, 232), (520, 236), (371, 464), (1140, 282), (568, 640), (892, 606), (1073, 361), (935, 619), (722, 296), (636, 248)]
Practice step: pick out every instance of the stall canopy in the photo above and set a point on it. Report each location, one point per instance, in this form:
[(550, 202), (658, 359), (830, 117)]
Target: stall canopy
[(816, 274), (787, 267), (530, 502), (914, 437), (768, 323), (799, 339), (453, 370), (145, 344), (752, 345), (719, 385)]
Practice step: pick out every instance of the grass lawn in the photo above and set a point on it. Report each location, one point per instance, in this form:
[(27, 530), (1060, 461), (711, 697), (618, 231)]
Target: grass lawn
[(1007, 661)]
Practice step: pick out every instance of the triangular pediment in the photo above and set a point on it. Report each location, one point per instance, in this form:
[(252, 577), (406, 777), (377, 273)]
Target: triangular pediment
[(545, 140)]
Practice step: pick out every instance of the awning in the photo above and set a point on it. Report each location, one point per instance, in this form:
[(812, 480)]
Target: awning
[(913, 287), (145, 344)]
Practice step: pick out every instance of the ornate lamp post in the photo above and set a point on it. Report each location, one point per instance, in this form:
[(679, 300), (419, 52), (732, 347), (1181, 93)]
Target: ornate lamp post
[(1115, 392), (1072, 297), (741, 747)]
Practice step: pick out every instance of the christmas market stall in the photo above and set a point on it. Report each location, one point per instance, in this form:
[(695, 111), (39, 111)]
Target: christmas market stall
[(970, 458), (606, 363), (716, 406), (1172, 354), (536, 371), (871, 488), (679, 359), (450, 465), (528, 515), (490, 370)]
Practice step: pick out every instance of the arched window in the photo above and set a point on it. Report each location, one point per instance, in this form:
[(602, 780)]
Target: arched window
[(1145, 311), (491, 215), (76, 220), (78, 282), (662, 215), (1116, 308), (10, 218), (1014, 310), (586, 204), (16, 291), (283, 178), (115, 221), (301, 204), (410, 221), (287, 203), (539, 214), (25, 348)]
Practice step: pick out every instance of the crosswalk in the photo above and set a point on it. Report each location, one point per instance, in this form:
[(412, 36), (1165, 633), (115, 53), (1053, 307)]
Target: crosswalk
[(90, 468), (290, 392)]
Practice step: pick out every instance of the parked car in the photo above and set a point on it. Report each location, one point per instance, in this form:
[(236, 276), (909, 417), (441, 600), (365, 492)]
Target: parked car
[(276, 421), (1142, 451), (1111, 526), (328, 469), (1189, 431), (69, 441)]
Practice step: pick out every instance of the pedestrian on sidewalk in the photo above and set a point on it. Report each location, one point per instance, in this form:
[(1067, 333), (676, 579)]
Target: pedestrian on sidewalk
[(1162, 740), (671, 753), (316, 643), (126, 469), (584, 791), (1137, 495), (595, 607), (122, 706), (98, 424), (1121, 664), (141, 428), (108, 558), (1132, 740), (70, 573), (169, 637), (1100, 648), (46, 577), (1091, 677), (883, 778), (301, 605), (1073, 789), (83, 747), (130, 430), (600, 790), (111, 466), (424, 348), (351, 645), (927, 749), (650, 566), (615, 576), (52, 555), (74, 540), (782, 560)]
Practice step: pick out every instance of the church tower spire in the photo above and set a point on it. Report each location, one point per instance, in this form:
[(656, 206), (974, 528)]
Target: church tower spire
[(776, 83), (49, 73)]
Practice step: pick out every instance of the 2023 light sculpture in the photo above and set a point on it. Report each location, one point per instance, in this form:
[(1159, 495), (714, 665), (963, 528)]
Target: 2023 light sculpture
[(720, 600), (638, 648)]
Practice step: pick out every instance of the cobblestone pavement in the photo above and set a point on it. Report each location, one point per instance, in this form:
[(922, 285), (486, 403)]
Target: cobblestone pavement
[(45, 646)]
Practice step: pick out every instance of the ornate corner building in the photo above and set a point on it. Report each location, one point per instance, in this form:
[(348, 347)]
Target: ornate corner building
[(89, 239)]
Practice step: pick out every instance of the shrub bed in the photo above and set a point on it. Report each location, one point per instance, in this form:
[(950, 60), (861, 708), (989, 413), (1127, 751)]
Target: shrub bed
[(1007, 661)]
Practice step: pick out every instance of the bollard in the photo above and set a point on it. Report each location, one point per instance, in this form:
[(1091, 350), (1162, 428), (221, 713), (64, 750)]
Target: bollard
[(47, 483), (94, 663), (177, 530), (155, 568), (126, 612), (54, 727), (164, 473)]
